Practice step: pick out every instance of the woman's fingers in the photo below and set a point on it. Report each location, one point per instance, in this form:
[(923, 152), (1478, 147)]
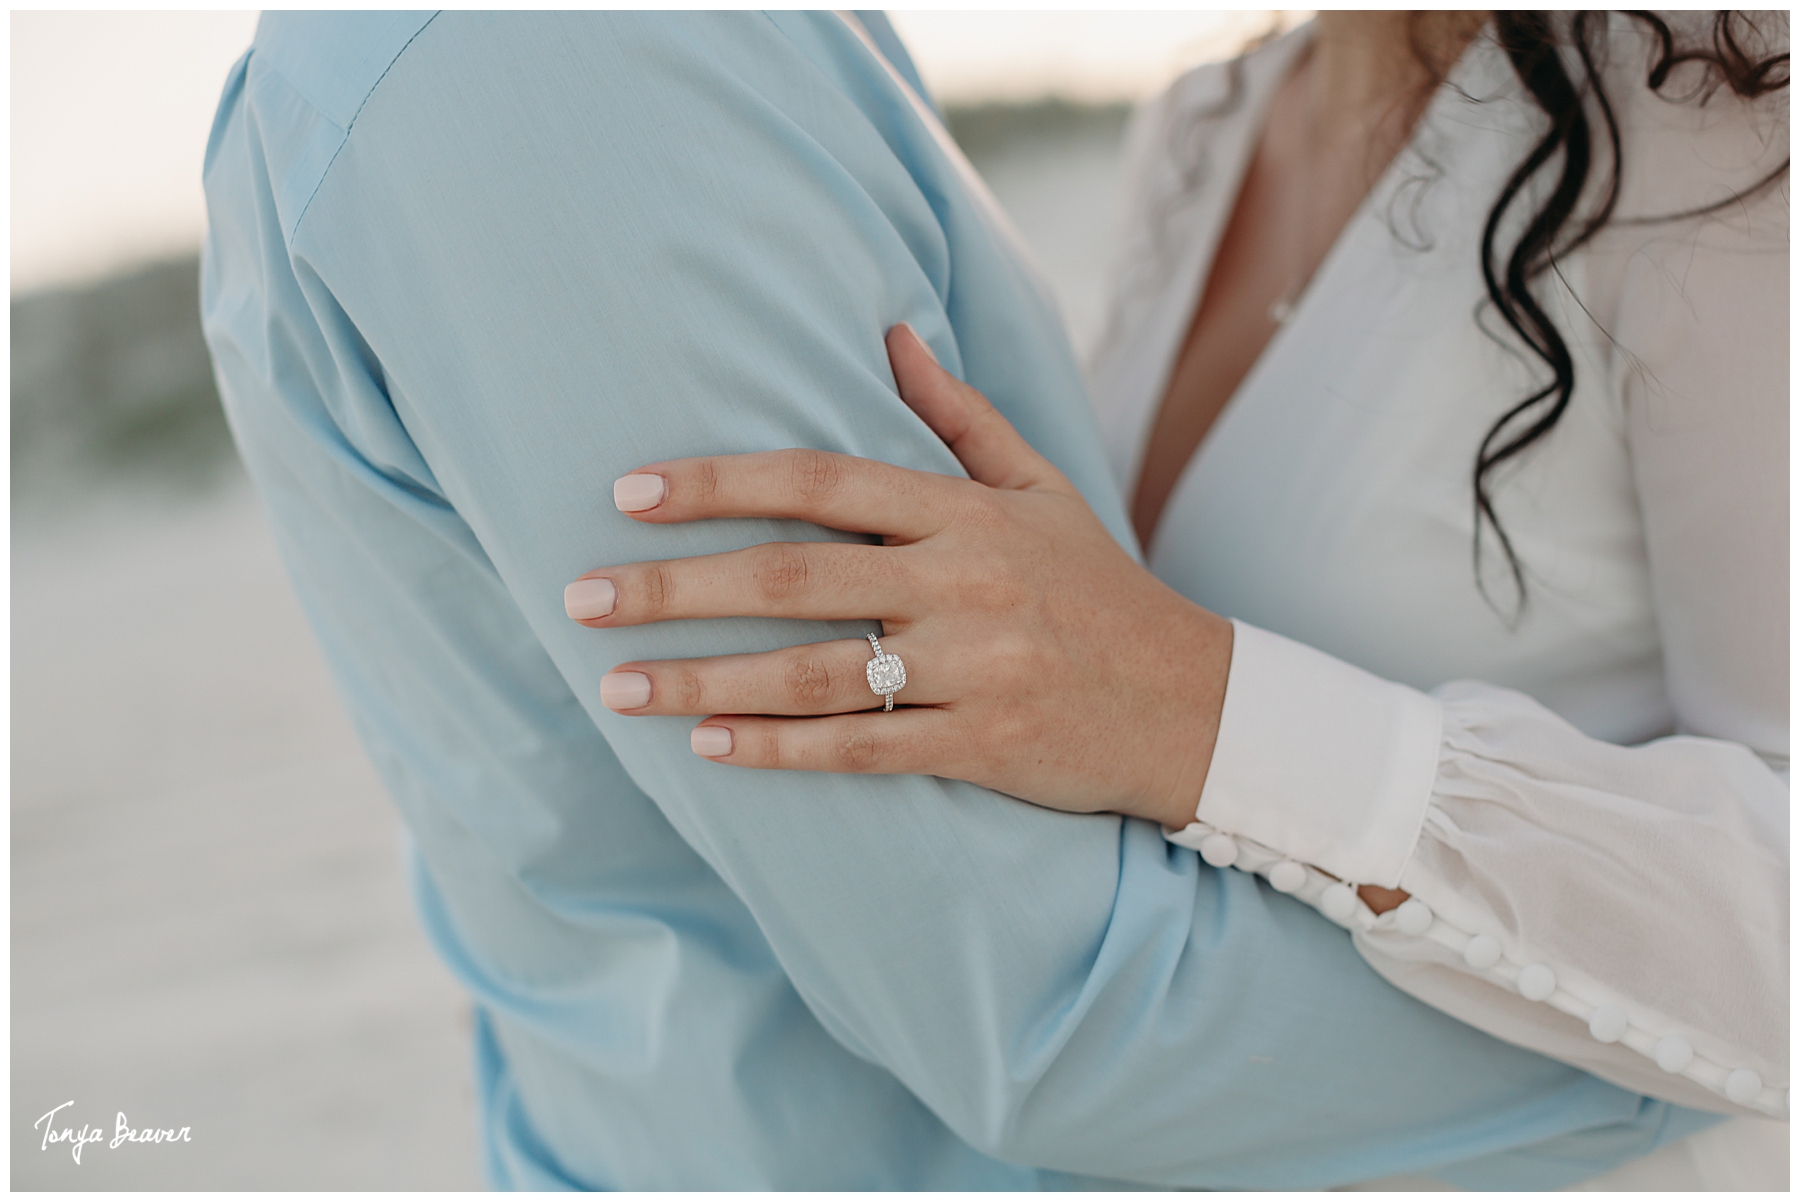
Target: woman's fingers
[(905, 742), (989, 448), (771, 580), (814, 678), (863, 496)]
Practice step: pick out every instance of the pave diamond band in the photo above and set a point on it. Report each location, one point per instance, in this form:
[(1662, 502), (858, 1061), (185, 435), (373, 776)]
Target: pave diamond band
[(887, 675)]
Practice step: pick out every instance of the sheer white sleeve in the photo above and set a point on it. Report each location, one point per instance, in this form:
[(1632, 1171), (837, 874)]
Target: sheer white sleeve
[(1623, 909)]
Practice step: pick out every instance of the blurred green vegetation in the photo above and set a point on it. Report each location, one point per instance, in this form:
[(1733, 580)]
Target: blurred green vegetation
[(111, 381), (985, 131)]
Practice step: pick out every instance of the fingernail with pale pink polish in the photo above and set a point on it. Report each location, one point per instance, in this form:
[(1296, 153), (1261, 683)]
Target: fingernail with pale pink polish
[(710, 741), (624, 690), (590, 599), (639, 491), (921, 341)]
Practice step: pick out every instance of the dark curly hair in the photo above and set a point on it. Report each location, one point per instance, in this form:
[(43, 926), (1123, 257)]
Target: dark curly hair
[(1538, 44)]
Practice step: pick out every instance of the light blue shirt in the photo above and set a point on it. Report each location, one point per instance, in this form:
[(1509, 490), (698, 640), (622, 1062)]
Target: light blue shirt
[(466, 269)]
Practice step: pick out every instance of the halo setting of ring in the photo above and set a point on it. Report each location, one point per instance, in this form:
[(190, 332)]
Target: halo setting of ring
[(887, 675)]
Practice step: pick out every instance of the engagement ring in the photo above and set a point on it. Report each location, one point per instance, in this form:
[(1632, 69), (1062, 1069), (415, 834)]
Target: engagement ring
[(887, 675)]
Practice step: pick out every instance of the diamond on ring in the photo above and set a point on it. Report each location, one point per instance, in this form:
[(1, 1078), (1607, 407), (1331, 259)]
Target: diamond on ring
[(887, 675)]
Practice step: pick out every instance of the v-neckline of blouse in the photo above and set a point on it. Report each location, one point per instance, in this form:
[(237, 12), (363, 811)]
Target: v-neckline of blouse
[(1196, 272)]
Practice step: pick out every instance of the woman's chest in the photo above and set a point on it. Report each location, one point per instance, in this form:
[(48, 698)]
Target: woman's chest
[(1333, 501)]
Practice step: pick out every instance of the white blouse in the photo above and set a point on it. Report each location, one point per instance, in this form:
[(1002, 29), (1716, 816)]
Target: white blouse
[(1587, 803)]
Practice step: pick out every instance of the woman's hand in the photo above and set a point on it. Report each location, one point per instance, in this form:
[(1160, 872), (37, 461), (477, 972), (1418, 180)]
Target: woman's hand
[(1041, 660)]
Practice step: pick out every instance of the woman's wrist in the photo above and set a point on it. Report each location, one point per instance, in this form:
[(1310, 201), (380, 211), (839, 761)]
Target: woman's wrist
[(1201, 666)]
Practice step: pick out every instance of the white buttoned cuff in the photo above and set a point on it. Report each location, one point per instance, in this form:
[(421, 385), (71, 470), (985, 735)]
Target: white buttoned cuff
[(1533, 855), (1329, 763)]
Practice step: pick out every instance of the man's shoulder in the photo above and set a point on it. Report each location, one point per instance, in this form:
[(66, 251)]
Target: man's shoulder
[(313, 80), (333, 60), (300, 88)]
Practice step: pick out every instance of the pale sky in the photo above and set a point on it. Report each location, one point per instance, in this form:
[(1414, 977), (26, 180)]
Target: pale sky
[(110, 110), (966, 55)]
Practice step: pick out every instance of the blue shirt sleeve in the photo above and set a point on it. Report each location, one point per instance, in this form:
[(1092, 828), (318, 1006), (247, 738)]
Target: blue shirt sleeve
[(539, 250)]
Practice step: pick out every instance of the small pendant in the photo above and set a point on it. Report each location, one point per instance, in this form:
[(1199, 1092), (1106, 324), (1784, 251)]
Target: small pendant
[(1281, 310)]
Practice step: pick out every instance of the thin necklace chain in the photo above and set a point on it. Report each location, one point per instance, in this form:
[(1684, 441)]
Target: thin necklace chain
[(1284, 306), (1282, 310)]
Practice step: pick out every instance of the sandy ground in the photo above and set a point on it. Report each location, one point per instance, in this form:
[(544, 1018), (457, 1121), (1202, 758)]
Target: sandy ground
[(210, 928), (209, 924)]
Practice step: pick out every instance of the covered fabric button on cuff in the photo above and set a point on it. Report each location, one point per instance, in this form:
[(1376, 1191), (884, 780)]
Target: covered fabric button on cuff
[(1743, 1085), (1287, 877), (1413, 917), (1338, 902), (1221, 851), (1483, 951), (1607, 1024), (1536, 982), (1674, 1054)]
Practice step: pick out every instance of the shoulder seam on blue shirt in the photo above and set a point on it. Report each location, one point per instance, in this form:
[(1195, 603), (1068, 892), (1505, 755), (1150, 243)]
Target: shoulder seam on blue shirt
[(351, 126)]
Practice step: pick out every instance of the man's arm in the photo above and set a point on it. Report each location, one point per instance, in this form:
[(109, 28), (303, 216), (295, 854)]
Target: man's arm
[(553, 248)]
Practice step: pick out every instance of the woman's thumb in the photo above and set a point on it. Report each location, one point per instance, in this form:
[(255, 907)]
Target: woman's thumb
[(991, 451)]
